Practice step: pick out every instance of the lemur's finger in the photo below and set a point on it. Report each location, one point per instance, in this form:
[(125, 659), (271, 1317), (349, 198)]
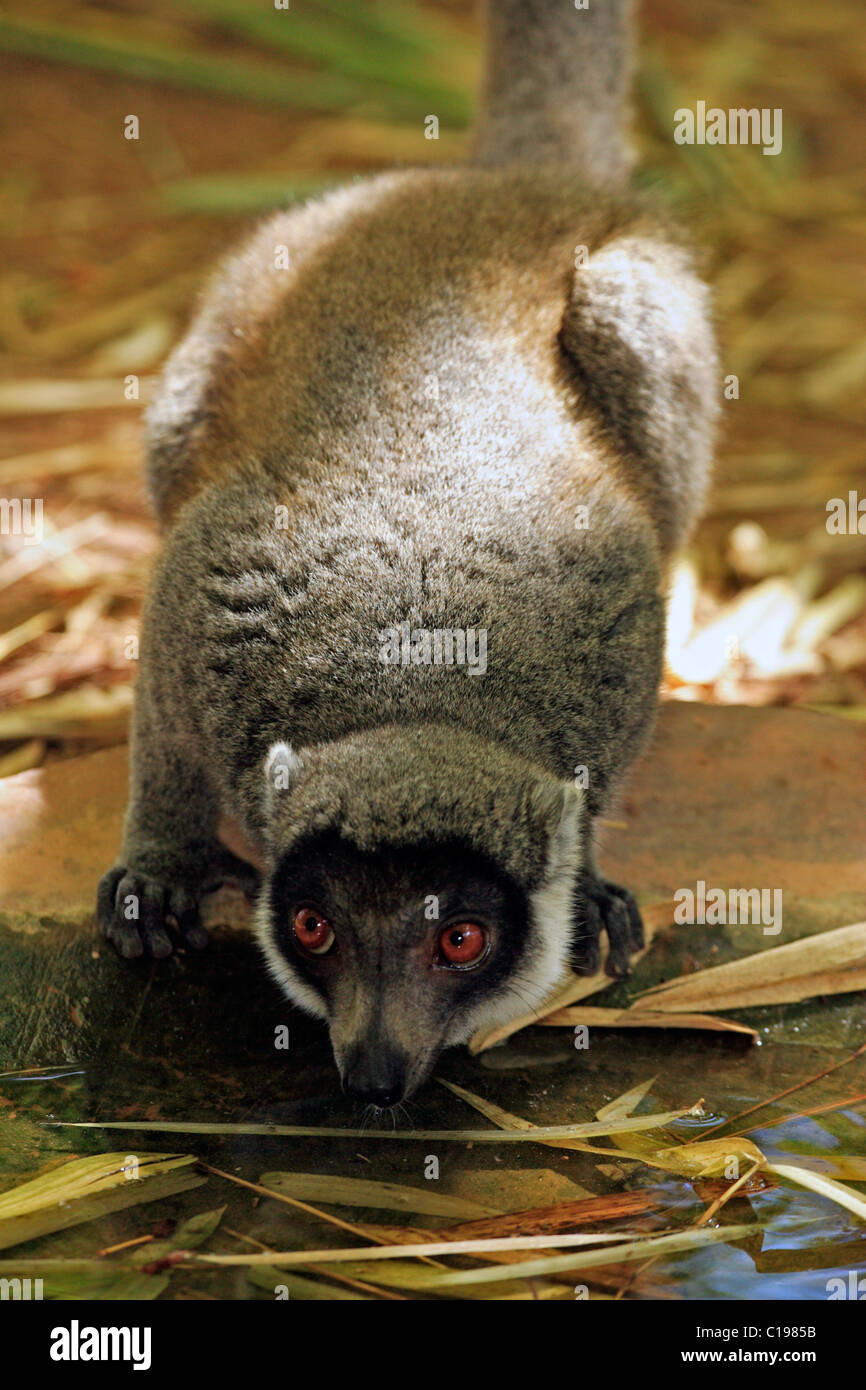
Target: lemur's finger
[(106, 896), (635, 921), (183, 908), (616, 921), (153, 930), (119, 913)]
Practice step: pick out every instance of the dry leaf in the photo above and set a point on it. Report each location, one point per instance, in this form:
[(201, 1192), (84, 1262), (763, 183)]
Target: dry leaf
[(779, 975), (641, 1018)]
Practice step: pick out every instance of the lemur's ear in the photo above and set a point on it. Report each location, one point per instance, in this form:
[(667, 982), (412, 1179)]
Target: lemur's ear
[(563, 807), (283, 767), (637, 331)]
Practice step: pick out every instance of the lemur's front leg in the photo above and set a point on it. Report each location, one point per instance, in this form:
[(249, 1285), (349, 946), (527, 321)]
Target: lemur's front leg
[(602, 905), (169, 851)]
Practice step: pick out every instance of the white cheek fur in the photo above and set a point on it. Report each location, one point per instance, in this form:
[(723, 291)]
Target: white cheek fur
[(551, 929), (289, 981)]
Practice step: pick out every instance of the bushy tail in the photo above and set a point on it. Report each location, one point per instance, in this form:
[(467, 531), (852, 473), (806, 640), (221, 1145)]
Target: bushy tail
[(556, 85)]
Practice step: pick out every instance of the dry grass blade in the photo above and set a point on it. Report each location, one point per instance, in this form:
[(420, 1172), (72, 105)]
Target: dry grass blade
[(789, 991), (403, 1274), (188, 1236), (627, 1103), (708, 1158), (533, 1133), (292, 1202), (87, 712), (564, 1216), (23, 758), (826, 1187), (640, 1250), (55, 548), (644, 1146), (845, 1166), (623, 1252), (36, 397), (295, 1258), (28, 631), (308, 1290), (88, 1279), (85, 1188), (703, 1158), (641, 1018), (726, 1196)]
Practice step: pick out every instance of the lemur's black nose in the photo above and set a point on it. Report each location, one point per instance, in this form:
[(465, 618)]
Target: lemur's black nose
[(378, 1079), (382, 1098)]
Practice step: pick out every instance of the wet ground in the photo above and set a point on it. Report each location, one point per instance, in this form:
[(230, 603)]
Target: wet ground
[(193, 1038), (199, 1051)]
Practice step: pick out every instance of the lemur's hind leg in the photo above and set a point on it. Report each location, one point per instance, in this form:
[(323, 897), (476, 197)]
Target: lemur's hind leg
[(225, 867), (638, 333)]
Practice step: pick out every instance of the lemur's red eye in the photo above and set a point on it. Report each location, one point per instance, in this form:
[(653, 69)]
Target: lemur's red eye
[(313, 932), (464, 943)]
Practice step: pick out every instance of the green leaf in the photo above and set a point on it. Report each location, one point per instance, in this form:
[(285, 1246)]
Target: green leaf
[(554, 1264), (73, 1280), (384, 1196), (306, 1290), (188, 1235), (86, 1188)]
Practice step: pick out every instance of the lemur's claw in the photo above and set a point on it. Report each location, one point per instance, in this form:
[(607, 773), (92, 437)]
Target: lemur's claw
[(609, 907), (135, 914)]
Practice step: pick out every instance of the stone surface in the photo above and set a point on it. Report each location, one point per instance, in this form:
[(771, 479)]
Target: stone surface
[(742, 798), (739, 797)]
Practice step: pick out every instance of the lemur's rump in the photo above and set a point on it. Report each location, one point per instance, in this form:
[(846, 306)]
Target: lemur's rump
[(478, 400)]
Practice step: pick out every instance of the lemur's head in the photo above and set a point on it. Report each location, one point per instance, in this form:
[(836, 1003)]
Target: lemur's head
[(420, 887)]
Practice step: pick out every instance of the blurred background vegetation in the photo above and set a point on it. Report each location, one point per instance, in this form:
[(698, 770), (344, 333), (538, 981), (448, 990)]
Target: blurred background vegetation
[(242, 106)]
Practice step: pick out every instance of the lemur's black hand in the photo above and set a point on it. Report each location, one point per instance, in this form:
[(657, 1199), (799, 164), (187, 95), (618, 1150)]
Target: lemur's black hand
[(135, 914), (143, 914), (603, 905)]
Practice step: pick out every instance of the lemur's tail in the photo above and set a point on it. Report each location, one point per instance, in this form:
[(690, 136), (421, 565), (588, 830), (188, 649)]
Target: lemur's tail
[(556, 85)]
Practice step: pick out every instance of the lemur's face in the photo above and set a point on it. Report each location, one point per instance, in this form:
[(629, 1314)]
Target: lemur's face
[(403, 953)]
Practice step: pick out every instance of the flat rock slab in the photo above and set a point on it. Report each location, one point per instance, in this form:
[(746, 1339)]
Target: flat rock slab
[(736, 797), (750, 798)]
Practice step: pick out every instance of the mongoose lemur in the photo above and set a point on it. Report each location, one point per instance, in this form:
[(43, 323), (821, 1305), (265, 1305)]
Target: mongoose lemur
[(420, 463)]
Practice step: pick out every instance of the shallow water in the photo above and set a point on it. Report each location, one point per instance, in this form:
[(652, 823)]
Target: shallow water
[(195, 1042), (799, 1240)]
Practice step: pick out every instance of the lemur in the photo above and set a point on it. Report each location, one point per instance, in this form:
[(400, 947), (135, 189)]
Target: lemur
[(440, 400)]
